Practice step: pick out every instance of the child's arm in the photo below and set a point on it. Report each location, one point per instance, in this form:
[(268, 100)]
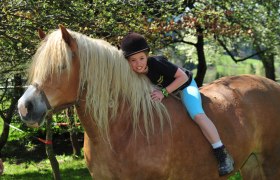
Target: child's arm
[(180, 78)]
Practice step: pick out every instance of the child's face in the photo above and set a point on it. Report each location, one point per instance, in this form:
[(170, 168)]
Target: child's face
[(138, 62)]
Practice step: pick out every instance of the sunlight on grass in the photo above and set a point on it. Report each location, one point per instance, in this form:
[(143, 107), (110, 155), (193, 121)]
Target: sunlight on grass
[(70, 168)]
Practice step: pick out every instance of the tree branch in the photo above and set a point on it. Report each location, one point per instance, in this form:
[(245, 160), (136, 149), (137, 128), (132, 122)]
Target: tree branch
[(232, 56)]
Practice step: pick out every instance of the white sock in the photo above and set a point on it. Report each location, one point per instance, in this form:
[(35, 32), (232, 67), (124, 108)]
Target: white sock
[(217, 144)]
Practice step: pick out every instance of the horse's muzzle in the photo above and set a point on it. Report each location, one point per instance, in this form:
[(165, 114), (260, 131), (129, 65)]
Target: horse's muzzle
[(33, 106)]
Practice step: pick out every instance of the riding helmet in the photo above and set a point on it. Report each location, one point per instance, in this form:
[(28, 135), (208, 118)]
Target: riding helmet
[(133, 43)]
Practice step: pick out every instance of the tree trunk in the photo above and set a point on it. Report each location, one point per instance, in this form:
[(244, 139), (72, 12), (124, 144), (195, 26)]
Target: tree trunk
[(73, 133), (49, 149), (7, 115), (201, 68), (268, 64)]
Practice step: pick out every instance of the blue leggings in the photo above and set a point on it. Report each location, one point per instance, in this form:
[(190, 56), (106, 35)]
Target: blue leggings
[(192, 100)]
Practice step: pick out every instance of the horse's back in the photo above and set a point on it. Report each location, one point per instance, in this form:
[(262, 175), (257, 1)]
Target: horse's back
[(245, 111), (247, 101)]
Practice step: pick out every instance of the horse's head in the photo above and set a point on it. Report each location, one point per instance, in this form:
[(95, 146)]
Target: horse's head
[(54, 77)]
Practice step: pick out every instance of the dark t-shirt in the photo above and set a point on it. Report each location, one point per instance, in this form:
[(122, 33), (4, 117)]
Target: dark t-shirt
[(161, 72)]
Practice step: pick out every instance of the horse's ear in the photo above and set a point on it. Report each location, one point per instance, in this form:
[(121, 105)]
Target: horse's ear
[(41, 33), (65, 35), (68, 38)]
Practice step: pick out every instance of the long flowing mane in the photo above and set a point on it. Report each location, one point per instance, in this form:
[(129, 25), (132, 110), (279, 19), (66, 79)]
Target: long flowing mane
[(106, 75)]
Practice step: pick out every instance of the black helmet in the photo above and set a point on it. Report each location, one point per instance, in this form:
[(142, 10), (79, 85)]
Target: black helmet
[(134, 43)]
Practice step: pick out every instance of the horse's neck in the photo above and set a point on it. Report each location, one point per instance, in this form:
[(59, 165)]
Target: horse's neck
[(85, 119), (87, 122), (118, 128)]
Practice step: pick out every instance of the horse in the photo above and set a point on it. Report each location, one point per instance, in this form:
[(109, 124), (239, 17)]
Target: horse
[(129, 136)]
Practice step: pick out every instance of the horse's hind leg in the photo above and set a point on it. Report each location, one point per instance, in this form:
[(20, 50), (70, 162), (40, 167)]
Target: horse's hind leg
[(252, 168)]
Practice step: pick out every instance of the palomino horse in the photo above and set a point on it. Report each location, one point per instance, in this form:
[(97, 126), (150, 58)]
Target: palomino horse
[(128, 136)]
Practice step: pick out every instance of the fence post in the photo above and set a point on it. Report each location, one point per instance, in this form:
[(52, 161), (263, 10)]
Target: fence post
[(49, 149), (73, 132)]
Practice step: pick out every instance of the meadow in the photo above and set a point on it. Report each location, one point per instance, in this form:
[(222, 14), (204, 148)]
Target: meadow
[(70, 168)]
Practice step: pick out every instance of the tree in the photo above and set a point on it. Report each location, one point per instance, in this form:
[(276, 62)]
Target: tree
[(8, 105), (255, 23), (260, 20)]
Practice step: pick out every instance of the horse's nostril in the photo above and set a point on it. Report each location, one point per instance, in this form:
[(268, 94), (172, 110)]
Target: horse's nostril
[(29, 106)]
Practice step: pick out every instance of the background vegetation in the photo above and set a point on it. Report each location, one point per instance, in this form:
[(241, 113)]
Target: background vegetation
[(211, 37)]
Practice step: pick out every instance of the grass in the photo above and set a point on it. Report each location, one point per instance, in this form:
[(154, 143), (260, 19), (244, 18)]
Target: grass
[(25, 158), (70, 168)]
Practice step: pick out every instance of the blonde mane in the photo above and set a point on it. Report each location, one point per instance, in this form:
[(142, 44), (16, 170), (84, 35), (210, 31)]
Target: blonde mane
[(106, 75)]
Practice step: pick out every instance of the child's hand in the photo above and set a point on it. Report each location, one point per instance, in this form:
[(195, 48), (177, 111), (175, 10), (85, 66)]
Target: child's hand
[(157, 95)]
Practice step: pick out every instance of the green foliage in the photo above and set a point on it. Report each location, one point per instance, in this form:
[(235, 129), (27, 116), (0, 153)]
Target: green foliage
[(162, 23), (236, 176), (61, 118)]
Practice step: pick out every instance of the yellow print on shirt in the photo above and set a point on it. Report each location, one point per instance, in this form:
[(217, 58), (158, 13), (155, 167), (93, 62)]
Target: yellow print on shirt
[(160, 80)]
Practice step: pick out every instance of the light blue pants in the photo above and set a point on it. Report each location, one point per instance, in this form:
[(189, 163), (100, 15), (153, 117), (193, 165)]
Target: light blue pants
[(192, 100)]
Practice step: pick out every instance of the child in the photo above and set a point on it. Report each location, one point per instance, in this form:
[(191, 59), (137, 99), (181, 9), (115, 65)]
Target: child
[(171, 78)]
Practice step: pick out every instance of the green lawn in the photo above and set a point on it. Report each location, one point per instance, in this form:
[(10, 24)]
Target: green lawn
[(70, 168)]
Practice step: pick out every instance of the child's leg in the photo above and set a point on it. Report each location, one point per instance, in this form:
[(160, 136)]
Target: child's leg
[(208, 129), (192, 100)]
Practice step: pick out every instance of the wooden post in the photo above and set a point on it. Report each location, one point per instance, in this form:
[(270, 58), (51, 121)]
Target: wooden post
[(73, 132), (49, 149)]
